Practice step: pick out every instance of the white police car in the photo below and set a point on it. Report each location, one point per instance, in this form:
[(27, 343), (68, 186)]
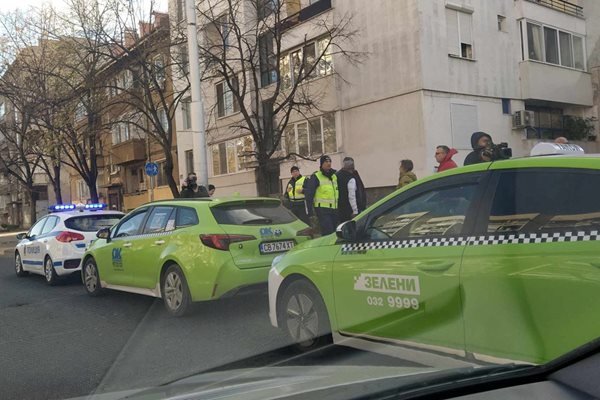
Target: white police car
[(54, 245)]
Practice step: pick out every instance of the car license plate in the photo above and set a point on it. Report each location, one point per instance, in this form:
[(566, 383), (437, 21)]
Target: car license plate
[(276, 247)]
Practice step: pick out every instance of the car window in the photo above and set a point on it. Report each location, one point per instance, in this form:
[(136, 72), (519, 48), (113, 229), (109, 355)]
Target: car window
[(542, 201), (252, 213), (49, 225), (186, 217), (131, 225), (37, 228), (439, 212), (92, 223), (160, 220)]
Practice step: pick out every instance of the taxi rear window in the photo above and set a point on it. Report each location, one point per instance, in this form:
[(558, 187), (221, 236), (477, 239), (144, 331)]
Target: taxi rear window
[(252, 213), (92, 223)]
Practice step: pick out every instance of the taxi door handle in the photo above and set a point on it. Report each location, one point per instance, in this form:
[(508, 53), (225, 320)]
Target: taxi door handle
[(437, 267), (126, 244), (159, 242)]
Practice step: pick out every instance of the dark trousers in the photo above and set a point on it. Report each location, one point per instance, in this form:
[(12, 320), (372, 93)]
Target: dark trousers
[(328, 219), (299, 210)]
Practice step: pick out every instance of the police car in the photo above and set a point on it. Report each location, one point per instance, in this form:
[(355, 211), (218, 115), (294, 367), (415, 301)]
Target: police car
[(493, 262), (55, 244)]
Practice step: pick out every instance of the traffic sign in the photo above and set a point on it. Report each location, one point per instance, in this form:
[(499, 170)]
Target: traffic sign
[(151, 169)]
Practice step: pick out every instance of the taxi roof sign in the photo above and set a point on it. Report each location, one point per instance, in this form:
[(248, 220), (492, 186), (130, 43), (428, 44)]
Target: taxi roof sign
[(549, 149)]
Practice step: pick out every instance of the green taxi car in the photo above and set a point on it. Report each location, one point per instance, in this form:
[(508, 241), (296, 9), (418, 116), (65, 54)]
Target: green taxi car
[(495, 262), (191, 250)]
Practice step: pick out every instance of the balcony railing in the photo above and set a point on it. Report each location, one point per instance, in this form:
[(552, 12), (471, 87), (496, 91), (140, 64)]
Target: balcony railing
[(561, 5), (305, 14)]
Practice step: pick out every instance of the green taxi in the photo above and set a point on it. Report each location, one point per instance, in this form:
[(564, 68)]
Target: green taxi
[(494, 262), (189, 250)]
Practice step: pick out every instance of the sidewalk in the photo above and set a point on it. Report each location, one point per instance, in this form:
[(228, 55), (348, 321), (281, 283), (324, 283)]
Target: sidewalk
[(8, 241)]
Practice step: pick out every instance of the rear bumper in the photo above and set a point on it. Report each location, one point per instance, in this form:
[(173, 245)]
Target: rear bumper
[(67, 266)]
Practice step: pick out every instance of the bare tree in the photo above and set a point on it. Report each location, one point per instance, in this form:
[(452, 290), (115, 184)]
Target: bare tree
[(243, 46)]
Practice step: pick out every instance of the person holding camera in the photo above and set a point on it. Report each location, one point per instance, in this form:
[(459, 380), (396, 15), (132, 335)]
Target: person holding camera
[(484, 149), (192, 190)]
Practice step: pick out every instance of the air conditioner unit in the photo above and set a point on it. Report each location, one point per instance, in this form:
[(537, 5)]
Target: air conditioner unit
[(142, 186), (523, 119)]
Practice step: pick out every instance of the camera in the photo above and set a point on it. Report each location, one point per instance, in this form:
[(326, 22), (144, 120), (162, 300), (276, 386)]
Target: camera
[(499, 151)]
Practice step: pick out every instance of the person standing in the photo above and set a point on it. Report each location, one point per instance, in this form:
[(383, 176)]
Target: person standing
[(192, 189), (406, 174), (353, 197), (443, 155), (321, 194), (211, 190), (480, 141), (295, 194)]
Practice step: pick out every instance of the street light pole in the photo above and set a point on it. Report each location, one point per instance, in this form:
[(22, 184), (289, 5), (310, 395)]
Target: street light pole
[(197, 108)]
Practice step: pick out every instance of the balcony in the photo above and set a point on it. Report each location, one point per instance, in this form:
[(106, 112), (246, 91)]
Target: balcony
[(129, 151), (305, 14), (546, 82), (562, 6)]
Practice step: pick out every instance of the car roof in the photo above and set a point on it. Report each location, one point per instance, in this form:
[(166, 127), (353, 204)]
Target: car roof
[(210, 202), (68, 214)]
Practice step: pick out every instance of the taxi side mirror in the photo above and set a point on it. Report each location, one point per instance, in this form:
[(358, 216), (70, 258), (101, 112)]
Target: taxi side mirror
[(103, 233), (347, 231), (21, 236)]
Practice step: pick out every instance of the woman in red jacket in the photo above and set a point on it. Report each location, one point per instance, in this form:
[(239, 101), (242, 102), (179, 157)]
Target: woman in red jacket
[(443, 155)]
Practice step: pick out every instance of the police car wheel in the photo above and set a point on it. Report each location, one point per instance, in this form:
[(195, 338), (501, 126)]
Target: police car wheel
[(91, 278), (49, 272), (304, 316), (19, 266), (175, 293)]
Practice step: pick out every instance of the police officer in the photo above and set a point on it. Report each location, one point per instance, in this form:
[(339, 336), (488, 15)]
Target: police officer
[(322, 194), (295, 194)]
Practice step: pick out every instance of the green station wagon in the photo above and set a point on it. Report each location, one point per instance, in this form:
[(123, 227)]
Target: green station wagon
[(496, 262), (191, 250)]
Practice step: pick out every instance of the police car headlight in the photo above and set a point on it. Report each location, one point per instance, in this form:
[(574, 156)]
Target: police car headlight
[(276, 260)]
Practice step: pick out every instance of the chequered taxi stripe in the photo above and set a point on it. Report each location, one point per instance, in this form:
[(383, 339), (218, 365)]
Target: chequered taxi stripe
[(525, 238)]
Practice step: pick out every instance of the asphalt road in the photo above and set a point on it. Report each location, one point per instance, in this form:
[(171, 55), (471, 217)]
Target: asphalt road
[(57, 342)]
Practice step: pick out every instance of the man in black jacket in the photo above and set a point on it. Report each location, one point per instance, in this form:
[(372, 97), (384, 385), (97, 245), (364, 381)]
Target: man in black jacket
[(192, 189), (479, 142), (353, 197)]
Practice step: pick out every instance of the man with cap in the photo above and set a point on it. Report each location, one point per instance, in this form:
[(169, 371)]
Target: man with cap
[(353, 197), (321, 192), (295, 194)]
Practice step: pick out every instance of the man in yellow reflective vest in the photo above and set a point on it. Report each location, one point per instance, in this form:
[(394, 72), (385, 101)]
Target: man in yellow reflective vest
[(295, 194), (322, 195)]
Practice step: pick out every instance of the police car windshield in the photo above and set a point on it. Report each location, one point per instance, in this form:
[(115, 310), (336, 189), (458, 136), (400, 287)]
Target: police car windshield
[(92, 223)]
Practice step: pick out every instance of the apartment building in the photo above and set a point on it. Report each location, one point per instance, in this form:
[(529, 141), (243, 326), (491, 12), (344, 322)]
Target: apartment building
[(125, 145), (433, 73)]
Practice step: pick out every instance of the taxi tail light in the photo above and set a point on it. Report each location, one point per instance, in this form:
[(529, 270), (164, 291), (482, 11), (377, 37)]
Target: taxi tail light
[(68, 237), (222, 242), (306, 232)]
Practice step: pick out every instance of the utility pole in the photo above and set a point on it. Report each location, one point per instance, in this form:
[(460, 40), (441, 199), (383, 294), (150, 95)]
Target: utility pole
[(197, 108)]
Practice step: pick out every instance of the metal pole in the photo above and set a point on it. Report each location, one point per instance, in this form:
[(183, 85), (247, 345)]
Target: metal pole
[(197, 108)]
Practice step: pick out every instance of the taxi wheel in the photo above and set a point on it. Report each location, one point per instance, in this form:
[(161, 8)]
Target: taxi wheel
[(49, 272), (175, 293), (91, 278), (19, 266), (304, 316)]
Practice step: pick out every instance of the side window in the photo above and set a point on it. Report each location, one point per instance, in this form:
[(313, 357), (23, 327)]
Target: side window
[(36, 229), (51, 222), (439, 212), (131, 225), (543, 201), (186, 217), (158, 219)]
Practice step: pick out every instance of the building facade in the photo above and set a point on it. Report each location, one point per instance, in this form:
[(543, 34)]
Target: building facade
[(433, 73)]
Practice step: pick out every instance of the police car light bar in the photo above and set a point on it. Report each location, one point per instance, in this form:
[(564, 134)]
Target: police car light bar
[(61, 207), (549, 149), (95, 206)]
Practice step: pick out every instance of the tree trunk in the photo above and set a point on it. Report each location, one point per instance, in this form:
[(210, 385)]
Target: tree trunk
[(169, 167), (56, 184), (267, 178), (32, 204), (93, 190)]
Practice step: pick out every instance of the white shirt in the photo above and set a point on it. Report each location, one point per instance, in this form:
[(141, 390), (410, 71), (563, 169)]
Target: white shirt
[(352, 195)]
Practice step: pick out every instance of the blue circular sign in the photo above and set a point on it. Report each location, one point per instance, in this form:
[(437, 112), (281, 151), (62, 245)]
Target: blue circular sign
[(151, 169)]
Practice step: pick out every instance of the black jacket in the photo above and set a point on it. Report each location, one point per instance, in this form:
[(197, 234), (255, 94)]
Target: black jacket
[(188, 193), (344, 207), (474, 157)]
